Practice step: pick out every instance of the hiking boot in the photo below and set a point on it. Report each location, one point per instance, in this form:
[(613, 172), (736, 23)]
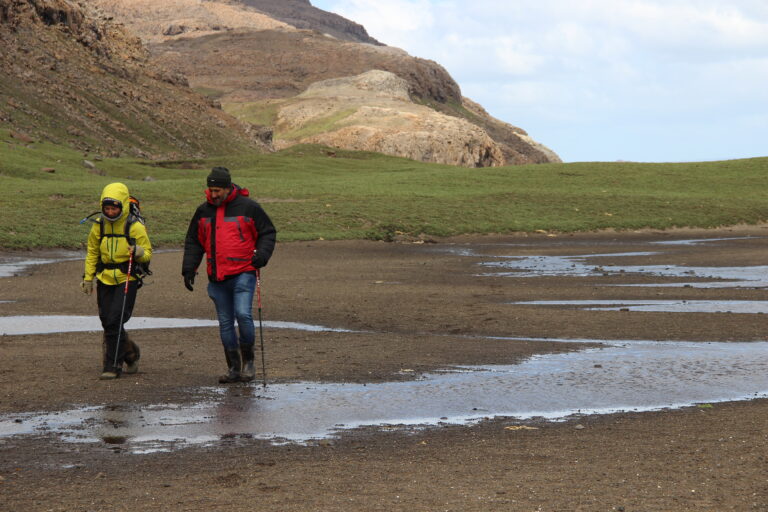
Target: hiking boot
[(233, 367), (249, 372), (132, 357), (109, 372)]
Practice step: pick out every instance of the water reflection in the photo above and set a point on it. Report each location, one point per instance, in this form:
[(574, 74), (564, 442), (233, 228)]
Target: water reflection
[(700, 241), (667, 306), (49, 324), (580, 266), (11, 265), (621, 376)]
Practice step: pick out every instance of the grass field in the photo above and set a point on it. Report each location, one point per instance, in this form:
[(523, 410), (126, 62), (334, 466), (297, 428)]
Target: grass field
[(311, 192)]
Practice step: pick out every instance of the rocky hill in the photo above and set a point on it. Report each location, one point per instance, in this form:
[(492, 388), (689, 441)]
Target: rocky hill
[(69, 77), (76, 73), (373, 111), (260, 72)]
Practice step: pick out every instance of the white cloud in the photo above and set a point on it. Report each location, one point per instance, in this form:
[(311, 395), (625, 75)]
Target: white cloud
[(692, 24), (393, 22), (516, 56)]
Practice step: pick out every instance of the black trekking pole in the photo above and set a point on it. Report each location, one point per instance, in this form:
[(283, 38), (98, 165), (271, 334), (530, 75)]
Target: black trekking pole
[(261, 328), (122, 310)]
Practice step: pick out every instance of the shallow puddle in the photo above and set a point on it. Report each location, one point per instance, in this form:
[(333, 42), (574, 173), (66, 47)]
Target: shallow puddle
[(580, 266), (699, 241), (622, 376), (668, 306), (583, 265), (49, 324), (16, 265)]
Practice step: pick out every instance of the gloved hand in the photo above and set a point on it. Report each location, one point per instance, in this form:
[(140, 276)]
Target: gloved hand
[(87, 287), (137, 250), (189, 280), (257, 260)]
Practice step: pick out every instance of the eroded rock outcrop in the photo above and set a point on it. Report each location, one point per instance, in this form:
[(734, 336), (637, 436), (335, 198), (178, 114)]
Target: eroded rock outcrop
[(374, 112)]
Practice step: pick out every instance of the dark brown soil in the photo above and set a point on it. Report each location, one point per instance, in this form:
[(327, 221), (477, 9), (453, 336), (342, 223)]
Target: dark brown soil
[(418, 304)]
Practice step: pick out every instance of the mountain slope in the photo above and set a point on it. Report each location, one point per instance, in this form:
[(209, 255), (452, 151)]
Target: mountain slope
[(374, 112), (256, 58), (245, 69), (71, 78)]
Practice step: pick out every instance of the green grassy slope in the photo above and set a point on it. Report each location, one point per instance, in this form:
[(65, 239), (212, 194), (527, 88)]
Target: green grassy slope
[(312, 192)]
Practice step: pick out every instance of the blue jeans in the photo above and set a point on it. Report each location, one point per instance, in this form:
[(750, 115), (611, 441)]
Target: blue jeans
[(234, 301)]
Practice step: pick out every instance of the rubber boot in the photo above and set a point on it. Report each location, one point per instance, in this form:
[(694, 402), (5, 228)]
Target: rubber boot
[(109, 372), (249, 372), (233, 367), (132, 356)]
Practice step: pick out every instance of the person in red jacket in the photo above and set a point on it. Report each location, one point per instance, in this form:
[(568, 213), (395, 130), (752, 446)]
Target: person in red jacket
[(237, 237)]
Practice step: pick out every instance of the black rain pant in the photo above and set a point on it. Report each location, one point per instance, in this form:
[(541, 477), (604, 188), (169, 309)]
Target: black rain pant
[(110, 300)]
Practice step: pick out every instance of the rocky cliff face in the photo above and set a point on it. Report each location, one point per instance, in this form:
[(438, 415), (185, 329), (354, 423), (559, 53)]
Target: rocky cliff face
[(72, 78)]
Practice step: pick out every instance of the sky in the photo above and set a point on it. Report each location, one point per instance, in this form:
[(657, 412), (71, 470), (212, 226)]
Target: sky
[(598, 80)]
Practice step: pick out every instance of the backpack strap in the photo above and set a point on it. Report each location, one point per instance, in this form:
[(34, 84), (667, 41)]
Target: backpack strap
[(139, 270), (100, 266), (126, 234)]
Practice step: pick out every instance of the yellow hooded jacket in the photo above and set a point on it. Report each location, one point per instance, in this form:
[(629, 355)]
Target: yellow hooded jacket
[(114, 249)]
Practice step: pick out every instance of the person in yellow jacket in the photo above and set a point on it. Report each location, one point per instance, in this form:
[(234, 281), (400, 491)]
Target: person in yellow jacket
[(109, 250)]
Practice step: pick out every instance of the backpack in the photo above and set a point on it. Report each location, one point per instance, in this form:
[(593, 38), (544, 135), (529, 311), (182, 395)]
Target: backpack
[(138, 270)]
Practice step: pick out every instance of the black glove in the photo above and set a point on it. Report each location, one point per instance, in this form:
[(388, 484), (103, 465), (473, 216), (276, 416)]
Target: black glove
[(189, 280), (258, 260)]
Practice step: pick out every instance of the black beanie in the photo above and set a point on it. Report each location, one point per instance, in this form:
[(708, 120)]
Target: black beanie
[(219, 177)]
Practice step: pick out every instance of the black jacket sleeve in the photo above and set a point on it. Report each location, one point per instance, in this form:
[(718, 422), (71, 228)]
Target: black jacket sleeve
[(265, 244), (193, 250)]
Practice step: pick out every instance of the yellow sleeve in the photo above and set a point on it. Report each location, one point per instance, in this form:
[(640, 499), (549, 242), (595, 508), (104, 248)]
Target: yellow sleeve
[(92, 255), (139, 233)]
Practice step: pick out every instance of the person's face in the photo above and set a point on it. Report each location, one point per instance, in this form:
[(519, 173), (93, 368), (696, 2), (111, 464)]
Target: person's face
[(218, 194), (111, 211)]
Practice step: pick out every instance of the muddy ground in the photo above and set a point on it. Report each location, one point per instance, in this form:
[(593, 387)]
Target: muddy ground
[(422, 307)]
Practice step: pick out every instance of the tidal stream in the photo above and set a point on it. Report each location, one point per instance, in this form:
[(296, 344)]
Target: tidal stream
[(620, 375), (630, 375)]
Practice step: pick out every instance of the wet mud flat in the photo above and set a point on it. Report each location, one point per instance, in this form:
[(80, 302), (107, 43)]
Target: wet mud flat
[(415, 310)]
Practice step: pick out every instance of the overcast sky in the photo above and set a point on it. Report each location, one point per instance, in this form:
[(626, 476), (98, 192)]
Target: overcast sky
[(598, 80)]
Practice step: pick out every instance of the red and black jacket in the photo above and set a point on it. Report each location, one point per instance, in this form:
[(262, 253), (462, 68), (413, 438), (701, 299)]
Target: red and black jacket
[(228, 234)]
